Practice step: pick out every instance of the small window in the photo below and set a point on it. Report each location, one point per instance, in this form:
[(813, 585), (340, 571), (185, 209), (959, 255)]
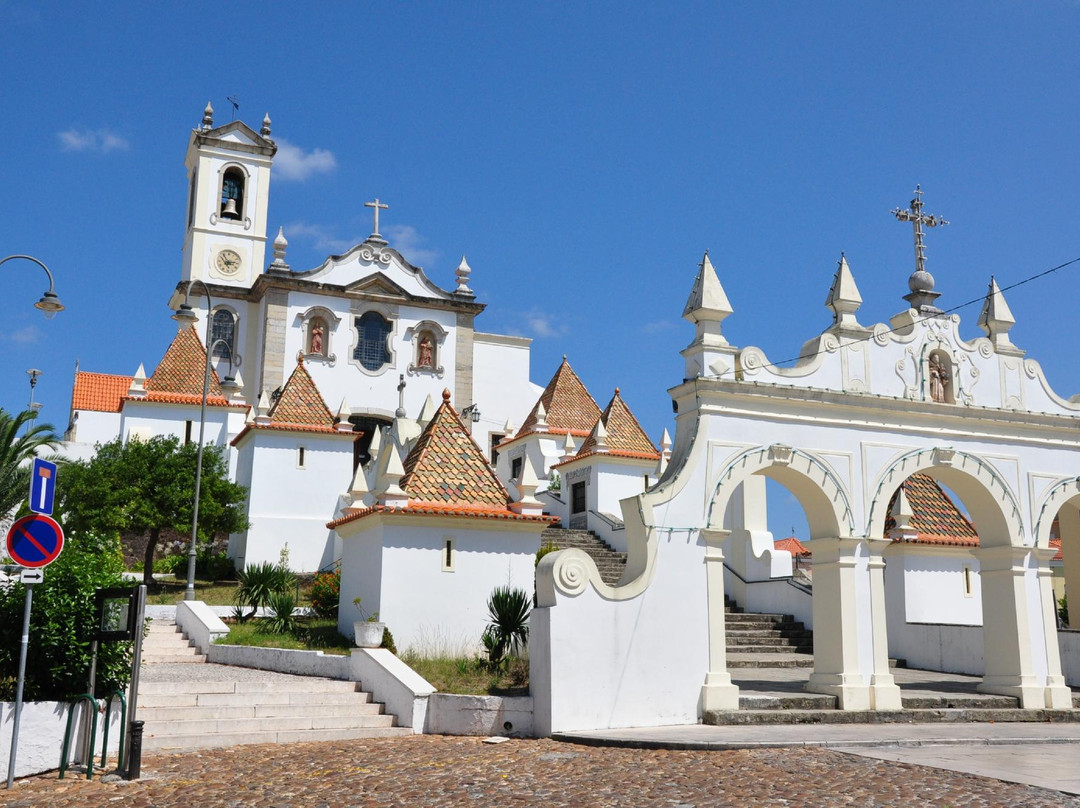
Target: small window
[(317, 337), (191, 198), (577, 497), (968, 583), (371, 349), (493, 451), (232, 194), (448, 556), (187, 432), (300, 457), (515, 468), (223, 334)]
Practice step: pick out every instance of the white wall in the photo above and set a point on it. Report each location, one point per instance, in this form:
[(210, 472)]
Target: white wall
[(93, 427), (932, 589), (41, 736)]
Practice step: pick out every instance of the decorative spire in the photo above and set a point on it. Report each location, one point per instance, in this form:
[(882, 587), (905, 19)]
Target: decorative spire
[(707, 301), (427, 412), (280, 245), (996, 319), (527, 504), (541, 424), (921, 282), (208, 117), (569, 447), (265, 131), (376, 442), (463, 271), (341, 422), (665, 453), (902, 514), (400, 411), (844, 298), (262, 411), (238, 391), (138, 383), (599, 437), (509, 427)]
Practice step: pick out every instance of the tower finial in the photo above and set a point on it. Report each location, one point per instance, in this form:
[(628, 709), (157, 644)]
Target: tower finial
[(208, 116), (265, 131), (463, 272), (921, 282), (280, 245)]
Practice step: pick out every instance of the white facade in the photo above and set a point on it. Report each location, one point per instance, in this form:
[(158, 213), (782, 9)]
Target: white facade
[(841, 430), (432, 596)]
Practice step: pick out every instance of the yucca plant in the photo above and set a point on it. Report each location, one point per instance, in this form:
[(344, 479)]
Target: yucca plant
[(258, 582), (281, 620), (507, 631)]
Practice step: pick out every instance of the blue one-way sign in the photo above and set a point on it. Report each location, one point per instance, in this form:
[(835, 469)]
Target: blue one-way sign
[(42, 486)]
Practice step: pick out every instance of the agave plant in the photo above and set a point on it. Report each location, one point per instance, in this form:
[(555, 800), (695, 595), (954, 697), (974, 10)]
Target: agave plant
[(258, 582), (281, 620), (507, 631)]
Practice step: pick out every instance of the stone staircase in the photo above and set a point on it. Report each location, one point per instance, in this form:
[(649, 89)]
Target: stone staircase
[(766, 640), (761, 646), (609, 562), (190, 704)]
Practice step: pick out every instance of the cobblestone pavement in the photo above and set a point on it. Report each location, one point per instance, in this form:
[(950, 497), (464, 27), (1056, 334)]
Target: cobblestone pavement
[(441, 771)]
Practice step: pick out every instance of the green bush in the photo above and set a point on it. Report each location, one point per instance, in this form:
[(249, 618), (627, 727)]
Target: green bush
[(281, 620), (388, 641), (325, 592), (62, 625), (258, 582), (507, 632), (209, 566), (547, 547)]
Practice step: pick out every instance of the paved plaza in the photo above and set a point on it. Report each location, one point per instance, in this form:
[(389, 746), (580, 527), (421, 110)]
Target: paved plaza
[(444, 771)]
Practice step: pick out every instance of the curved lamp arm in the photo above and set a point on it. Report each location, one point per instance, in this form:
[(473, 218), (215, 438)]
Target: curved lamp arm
[(50, 302)]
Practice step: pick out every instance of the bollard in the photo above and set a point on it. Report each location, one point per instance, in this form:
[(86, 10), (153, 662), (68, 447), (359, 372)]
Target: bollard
[(134, 768)]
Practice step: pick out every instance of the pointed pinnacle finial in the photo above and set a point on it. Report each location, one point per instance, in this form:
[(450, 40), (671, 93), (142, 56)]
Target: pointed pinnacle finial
[(463, 272), (265, 131), (446, 395), (208, 117), (844, 298), (996, 319), (707, 301)]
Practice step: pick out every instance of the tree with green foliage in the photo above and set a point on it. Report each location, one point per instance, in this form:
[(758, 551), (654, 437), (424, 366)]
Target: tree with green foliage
[(15, 450), (147, 486), (62, 625)]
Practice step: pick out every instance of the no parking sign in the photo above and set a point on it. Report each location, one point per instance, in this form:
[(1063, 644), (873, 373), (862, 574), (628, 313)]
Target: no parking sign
[(35, 540)]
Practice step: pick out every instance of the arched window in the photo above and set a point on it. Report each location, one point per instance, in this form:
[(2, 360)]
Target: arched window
[(371, 349), (318, 337), (232, 194), (223, 328)]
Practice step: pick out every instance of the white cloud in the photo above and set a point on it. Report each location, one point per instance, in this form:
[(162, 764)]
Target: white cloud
[(101, 141), (321, 236), (659, 325), (293, 163), (407, 241), (402, 237), (544, 325), (25, 336)]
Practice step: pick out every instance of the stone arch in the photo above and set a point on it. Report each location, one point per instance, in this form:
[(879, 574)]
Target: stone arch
[(820, 492), (992, 505), (1058, 494)]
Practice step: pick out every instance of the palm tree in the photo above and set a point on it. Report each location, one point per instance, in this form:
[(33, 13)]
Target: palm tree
[(15, 450)]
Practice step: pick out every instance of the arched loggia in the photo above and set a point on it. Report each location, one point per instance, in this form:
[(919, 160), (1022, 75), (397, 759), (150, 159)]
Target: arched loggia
[(1019, 642), (850, 644)]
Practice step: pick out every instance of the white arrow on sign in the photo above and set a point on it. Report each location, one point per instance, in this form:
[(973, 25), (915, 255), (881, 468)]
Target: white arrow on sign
[(28, 576)]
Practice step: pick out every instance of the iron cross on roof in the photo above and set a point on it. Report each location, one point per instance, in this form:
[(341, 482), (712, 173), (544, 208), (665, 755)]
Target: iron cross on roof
[(377, 205), (917, 218)]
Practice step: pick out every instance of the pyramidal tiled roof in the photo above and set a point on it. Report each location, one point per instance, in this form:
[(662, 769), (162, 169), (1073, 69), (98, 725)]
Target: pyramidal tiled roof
[(793, 546), (567, 403), (300, 403), (446, 466), (624, 434), (935, 516), (101, 392), (179, 376)]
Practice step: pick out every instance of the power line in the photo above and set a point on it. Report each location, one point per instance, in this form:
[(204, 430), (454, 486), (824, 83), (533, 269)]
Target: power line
[(874, 335)]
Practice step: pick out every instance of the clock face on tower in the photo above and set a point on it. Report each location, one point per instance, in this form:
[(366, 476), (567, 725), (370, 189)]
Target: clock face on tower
[(227, 262)]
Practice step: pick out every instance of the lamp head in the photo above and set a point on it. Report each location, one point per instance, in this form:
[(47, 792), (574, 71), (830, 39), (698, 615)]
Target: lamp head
[(229, 385), (49, 305), (185, 315)]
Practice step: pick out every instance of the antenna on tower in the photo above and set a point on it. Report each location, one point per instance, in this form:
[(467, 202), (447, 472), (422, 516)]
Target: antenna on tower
[(232, 99)]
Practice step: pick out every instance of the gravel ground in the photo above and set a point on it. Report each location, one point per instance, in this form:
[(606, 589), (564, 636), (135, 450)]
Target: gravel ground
[(422, 771)]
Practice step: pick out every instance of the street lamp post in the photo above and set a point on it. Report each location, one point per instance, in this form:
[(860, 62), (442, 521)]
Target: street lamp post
[(185, 315), (50, 302)]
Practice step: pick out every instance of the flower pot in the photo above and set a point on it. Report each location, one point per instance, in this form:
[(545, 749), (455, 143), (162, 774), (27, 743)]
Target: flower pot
[(368, 635)]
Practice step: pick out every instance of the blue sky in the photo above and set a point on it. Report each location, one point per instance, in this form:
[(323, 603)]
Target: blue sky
[(581, 158)]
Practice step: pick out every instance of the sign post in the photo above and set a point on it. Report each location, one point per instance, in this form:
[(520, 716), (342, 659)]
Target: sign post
[(34, 542)]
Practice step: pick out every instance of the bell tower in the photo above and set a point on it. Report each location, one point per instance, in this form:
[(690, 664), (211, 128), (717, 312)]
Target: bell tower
[(228, 169)]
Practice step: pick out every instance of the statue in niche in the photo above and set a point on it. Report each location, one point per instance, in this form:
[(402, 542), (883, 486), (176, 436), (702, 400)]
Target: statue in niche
[(317, 337), (939, 379), (424, 353)]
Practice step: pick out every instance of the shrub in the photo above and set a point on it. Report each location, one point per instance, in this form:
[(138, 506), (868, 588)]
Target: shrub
[(547, 547), (325, 592), (281, 620), (508, 629), (62, 625), (388, 641), (258, 582)]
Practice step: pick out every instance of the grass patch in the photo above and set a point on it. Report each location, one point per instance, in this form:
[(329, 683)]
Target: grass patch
[(310, 634), (472, 676), (216, 593)]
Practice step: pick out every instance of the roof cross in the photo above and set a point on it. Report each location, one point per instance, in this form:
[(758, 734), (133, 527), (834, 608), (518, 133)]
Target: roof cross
[(377, 205), (917, 218)]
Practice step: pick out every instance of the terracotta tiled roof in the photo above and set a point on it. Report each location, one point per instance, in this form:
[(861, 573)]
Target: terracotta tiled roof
[(300, 402), (936, 517), (624, 433), (446, 466), (181, 369), (615, 453), (1056, 545), (793, 546), (100, 392), (434, 509), (567, 403)]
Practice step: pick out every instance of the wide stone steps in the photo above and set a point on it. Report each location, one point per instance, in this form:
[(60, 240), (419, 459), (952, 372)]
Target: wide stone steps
[(610, 563), (193, 706), (905, 716)]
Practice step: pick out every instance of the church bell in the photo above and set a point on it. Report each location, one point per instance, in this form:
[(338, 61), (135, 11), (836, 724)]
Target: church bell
[(229, 211)]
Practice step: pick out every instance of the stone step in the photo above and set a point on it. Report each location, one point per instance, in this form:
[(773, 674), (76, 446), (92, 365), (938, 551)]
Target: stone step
[(286, 723), (299, 699), (779, 660), (235, 712), (803, 701), (755, 639), (308, 685), (806, 648), (918, 716), (760, 617), (772, 631), (173, 659), (178, 743)]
